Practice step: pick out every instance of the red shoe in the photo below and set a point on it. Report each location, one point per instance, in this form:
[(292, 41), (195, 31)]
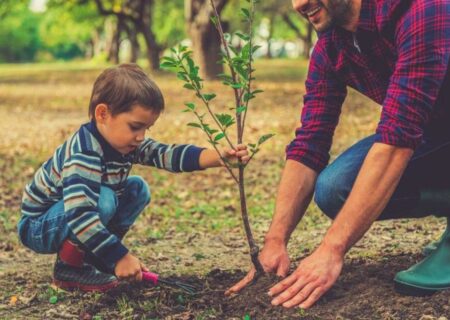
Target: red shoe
[(71, 272)]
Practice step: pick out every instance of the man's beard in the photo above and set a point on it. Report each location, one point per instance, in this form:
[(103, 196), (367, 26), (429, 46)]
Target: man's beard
[(338, 13)]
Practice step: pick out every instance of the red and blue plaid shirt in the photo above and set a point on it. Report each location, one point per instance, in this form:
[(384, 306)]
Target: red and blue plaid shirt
[(398, 57)]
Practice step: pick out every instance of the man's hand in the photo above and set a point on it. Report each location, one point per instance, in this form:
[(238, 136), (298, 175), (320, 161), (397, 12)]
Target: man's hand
[(273, 257), (314, 276), (129, 268)]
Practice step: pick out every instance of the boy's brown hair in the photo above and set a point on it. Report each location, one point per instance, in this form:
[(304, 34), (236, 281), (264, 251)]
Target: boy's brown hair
[(124, 86)]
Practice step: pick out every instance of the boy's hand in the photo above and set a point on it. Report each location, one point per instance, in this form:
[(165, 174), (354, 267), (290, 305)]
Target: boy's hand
[(129, 268), (240, 152)]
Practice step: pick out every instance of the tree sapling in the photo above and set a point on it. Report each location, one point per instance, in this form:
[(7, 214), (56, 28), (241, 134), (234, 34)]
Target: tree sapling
[(216, 125)]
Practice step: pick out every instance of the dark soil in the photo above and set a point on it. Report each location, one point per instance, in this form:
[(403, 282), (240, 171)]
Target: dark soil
[(364, 291)]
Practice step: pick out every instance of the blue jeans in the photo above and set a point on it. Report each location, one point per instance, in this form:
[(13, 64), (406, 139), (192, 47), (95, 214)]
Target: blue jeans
[(46, 233), (424, 188)]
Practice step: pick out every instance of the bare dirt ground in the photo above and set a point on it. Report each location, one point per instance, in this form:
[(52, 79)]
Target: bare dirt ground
[(192, 230)]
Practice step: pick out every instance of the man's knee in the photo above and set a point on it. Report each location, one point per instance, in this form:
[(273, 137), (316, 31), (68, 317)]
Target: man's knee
[(330, 192)]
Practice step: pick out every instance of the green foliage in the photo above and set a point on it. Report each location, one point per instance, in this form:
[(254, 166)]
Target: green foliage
[(66, 28), (168, 22), (53, 295), (19, 39), (239, 61)]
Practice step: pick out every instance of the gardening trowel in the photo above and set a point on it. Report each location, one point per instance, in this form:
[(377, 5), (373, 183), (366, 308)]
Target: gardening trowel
[(155, 279)]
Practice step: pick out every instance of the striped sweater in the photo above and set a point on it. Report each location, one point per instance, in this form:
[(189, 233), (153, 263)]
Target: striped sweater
[(80, 166)]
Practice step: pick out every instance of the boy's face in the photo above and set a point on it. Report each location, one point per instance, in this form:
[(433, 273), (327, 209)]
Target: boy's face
[(124, 131)]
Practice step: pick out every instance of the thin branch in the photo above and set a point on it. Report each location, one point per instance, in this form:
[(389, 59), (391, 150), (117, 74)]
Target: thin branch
[(233, 73), (250, 58), (217, 150)]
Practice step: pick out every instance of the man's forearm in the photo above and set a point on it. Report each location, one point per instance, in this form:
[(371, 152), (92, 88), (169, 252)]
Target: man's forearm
[(294, 195), (374, 186)]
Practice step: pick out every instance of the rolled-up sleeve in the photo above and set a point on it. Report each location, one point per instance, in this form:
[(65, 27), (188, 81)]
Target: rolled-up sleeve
[(320, 114), (422, 38)]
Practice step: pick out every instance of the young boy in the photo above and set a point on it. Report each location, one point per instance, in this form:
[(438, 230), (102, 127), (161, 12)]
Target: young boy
[(81, 202)]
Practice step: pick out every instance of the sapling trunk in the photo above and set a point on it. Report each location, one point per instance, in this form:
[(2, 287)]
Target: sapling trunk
[(254, 249), (240, 80)]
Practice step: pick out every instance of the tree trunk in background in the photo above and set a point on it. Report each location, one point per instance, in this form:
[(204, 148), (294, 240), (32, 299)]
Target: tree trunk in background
[(96, 43), (142, 18), (305, 38), (204, 36), (134, 44), (113, 54), (139, 14), (269, 38)]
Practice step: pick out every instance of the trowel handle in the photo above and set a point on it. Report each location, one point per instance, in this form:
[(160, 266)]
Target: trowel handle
[(148, 276)]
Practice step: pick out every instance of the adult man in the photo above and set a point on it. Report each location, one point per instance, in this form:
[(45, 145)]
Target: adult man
[(396, 52)]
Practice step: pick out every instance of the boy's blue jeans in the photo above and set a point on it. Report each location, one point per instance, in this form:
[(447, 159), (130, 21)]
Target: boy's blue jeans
[(46, 233), (423, 190)]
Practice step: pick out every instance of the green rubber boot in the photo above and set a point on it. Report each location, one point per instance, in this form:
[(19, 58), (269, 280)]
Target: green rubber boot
[(431, 247), (434, 201), (429, 275)]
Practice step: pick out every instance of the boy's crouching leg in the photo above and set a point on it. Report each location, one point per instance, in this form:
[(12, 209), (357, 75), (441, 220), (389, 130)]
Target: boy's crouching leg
[(72, 272), (134, 200)]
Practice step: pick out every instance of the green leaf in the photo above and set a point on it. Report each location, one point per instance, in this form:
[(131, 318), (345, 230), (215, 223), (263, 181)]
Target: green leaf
[(248, 96), (255, 48), (209, 96), (241, 71), (234, 50), (237, 85), (245, 51), (209, 130), (245, 12), (225, 77), (213, 142), (169, 59), (186, 54), (265, 137), (182, 76), (191, 65), (257, 91), (243, 36), (167, 64), (190, 105), (189, 86), (194, 125), (214, 20), (241, 109), (219, 136), (224, 119)]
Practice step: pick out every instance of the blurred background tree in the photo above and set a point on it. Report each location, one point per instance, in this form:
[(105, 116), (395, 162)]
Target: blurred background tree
[(117, 31), (19, 38)]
